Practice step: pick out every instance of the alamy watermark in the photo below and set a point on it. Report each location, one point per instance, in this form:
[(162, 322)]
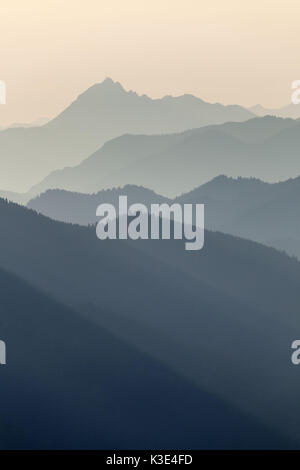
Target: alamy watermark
[(2, 92), (2, 353), (296, 93), (295, 358), (164, 221)]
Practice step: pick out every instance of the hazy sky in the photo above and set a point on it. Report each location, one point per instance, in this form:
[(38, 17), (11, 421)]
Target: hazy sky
[(231, 51)]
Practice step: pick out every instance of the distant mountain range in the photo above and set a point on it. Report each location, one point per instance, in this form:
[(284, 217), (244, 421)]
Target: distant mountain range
[(248, 208), (101, 113), (289, 111), (252, 209), (222, 319), (79, 208), (141, 344), (266, 148), (36, 123)]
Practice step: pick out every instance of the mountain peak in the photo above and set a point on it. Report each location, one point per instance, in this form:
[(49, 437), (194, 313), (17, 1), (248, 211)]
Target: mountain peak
[(109, 83), (108, 80), (107, 88)]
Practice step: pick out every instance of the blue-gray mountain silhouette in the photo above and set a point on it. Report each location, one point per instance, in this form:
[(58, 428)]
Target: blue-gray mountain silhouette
[(101, 113), (223, 318), (248, 208), (69, 383), (267, 148), (79, 208), (289, 111)]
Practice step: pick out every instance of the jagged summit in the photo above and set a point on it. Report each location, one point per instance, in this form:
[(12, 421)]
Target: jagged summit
[(105, 111), (108, 82), (107, 88)]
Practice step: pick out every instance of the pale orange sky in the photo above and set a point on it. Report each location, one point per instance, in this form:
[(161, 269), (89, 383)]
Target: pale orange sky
[(231, 51)]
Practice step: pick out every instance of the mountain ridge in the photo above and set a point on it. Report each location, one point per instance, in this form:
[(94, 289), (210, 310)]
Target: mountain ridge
[(238, 206), (212, 304), (102, 112), (171, 164)]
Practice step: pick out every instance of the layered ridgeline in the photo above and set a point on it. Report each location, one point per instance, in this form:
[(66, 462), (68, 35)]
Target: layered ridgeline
[(70, 383), (249, 208), (222, 318), (101, 113), (80, 208), (253, 209), (289, 111), (267, 148)]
